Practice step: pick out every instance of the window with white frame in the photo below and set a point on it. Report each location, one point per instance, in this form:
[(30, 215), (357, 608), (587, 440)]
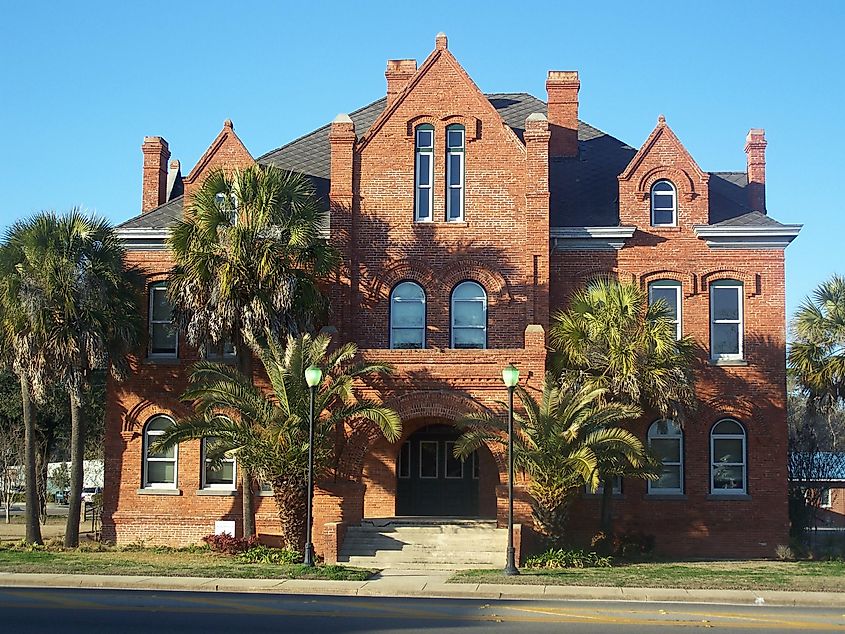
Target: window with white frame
[(670, 292), (726, 316), (469, 316), (228, 205), (826, 499), (423, 172), (159, 465), (615, 489), (163, 336), (429, 459), (666, 441), (223, 351), (455, 146), (217, 476), (728, 451), (664, 204), (407, 316)]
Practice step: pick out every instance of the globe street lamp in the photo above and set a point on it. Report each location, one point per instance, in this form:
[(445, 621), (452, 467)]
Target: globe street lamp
[(510, 375), (313, 376)]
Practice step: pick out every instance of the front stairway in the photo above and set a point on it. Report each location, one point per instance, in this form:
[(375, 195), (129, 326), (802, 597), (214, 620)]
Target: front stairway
[(425, 544)]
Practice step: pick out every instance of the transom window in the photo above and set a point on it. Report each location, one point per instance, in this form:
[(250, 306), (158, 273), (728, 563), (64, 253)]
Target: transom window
[(163, 337), (407, 316), (455, 139), (159, 466), (424, 172), (664, 204), (221, 476), (666, 441), (727, 448), (726, 327), (469, 316), (670, 292)]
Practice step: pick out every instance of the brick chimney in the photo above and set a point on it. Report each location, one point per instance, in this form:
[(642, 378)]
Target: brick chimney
[(755, 153), (562, 89), (154, 186), (398, 73)]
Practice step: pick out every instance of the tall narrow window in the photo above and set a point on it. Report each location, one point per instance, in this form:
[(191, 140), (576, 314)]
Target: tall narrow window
[(407, 316), (424, 172), (666, 441), (163, 339), (159, 466), (670, 292), (469, 316), (403, 463), (727, 448), (455, 142), (664, 204), (219, 476), (224, 351), (726, 320)]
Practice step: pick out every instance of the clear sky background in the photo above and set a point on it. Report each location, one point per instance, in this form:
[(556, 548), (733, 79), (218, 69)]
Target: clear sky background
[(82, 83)]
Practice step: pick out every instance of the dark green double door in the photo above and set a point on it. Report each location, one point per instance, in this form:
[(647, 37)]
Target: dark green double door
[(431, 481)]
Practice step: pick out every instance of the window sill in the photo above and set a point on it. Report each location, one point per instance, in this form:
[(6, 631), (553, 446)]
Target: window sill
[(729, 496), (665, 496), (665, 228), (729, 363), (162, 360), (264, 494), (154, 491), (219, 492), (598, 496)]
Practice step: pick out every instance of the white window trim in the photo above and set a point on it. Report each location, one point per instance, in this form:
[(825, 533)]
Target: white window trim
[(154, 288), (484, 304), (674, 208), (743, 464), (653, 490), (826, 492), (677, 287), (450, 447), (436, 459), (420, 190), (405, 446), (224, 356), (219, 487), (450, 152), (146, 484), (740, 292), (424, 309)]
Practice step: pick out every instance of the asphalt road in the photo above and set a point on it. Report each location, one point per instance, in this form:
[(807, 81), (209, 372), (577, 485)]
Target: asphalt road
[(25, 610)]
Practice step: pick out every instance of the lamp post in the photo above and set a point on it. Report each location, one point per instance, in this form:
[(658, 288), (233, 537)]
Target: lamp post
[(510, 375), (313, 376)]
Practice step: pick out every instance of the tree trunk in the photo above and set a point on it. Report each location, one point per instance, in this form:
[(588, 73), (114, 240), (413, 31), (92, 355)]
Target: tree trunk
[(33, 527), (291, 495), (550, 512), (41, 462), (248, 504), (77, 455), (607, 507)]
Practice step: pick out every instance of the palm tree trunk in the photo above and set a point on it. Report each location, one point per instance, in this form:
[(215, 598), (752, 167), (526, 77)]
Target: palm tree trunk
[(41, 463), (607, 507), (77, 454), (291, 495), (248, 504), (33, 527)]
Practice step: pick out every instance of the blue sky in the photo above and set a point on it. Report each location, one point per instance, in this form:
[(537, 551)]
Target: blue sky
[(82, 83)]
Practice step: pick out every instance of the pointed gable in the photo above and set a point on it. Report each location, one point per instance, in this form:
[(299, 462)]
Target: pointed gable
[(226, 152)]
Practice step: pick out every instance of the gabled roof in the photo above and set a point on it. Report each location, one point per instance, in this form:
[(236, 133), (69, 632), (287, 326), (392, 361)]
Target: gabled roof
[(159, 218)]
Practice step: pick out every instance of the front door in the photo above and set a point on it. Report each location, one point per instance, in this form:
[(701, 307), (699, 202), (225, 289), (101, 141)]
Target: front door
[(430, 480)]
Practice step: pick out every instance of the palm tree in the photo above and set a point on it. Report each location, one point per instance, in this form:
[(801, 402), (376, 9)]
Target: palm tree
[(817, 353), (79, 306), (562, 443), (610, 338), (248, 257), (268, 433)]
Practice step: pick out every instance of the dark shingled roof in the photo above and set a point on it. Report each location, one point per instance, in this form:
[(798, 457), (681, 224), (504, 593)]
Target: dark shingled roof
[(584, 190)]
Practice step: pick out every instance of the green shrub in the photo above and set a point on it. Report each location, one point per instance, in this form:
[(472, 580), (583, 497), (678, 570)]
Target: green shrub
[(229, 545), (562, 558), (263, 555)]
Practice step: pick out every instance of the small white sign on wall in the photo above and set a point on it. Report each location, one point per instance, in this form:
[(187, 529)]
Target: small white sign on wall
[(222, 527)]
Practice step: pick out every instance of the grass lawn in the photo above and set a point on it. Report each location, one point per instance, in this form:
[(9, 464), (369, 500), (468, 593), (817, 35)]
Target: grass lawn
[(818, 576), (164, 563)]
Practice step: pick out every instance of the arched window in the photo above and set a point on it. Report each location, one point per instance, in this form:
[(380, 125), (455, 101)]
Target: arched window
[(423, 172), (664, 204), (670, 292), (163, 337), (159, 466), (726, 320), (220, 476), (407, 316), (666, 440), (727, 451), (455, 145), (469, 316)]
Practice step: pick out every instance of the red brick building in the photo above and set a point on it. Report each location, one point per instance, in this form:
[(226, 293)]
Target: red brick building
[(463, 220)]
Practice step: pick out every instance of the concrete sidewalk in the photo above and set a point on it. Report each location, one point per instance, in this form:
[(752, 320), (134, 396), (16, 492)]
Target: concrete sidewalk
[(410, 583)]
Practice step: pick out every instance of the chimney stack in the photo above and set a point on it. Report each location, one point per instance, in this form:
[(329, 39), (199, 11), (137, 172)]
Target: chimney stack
[(154, 187), (398, 73), (562, 89), (755, 153)]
